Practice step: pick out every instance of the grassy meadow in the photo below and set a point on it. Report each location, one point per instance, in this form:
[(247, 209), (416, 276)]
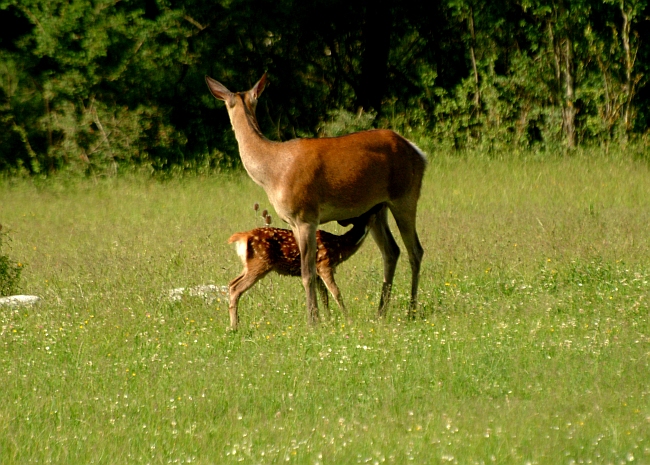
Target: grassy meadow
[(531, 346)]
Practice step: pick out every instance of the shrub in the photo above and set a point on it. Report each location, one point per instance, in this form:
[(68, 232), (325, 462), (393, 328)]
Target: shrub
[(9, 271), (342, 122)]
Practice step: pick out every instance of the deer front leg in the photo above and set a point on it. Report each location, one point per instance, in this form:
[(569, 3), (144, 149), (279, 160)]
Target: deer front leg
[(306, 237)]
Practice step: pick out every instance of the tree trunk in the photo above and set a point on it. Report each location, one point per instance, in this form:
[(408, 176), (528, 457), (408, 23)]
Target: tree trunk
[(630, 58), (477, 94), (564, 89), (569, 110)]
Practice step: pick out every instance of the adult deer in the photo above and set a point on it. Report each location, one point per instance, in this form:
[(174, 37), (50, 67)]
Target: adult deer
[(314, 181)]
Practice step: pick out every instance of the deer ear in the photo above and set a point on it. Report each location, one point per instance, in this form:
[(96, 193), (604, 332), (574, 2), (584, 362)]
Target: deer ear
[(217, 89), (258, 88)]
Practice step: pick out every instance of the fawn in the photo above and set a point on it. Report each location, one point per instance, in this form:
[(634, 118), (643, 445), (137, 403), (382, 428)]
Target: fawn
[(267, 249)]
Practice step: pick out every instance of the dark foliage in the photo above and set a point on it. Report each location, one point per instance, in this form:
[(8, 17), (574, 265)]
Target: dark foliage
[(98, 86)]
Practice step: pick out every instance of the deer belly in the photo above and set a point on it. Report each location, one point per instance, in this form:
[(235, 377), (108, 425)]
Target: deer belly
[(333, 213)]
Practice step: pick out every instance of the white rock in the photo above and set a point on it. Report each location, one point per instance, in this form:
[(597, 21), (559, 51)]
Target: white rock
[(176, 294), (209, 292), (19, 300)]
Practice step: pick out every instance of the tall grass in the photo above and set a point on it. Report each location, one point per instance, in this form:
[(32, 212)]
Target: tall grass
[(531, 345)]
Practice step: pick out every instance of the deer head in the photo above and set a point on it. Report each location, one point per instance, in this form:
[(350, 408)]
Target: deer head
[(248, 98)]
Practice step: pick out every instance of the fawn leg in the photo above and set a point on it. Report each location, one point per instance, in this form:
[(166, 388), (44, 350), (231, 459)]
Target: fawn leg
[(327, 275), (322, 290), (236, 288)]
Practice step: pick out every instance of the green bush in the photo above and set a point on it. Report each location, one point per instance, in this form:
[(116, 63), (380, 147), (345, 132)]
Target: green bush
[(342, 122), (9, 271)]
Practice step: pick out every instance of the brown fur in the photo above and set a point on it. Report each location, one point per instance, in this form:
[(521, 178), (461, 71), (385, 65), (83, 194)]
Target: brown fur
[(314, 181)]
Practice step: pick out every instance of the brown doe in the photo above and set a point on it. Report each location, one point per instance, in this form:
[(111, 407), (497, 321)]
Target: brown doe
[(263, 250), (314, 181)]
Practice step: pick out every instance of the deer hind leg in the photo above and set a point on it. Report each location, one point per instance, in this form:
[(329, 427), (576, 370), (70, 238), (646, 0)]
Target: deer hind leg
[(389, 252), (322, 291), (405, 218), (305, 234), (236, 289), (327, 277)]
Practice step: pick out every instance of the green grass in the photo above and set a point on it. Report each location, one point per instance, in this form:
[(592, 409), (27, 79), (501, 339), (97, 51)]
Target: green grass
[(532, 342)]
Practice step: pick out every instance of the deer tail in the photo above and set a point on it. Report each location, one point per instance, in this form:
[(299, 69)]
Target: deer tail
[(242, 246), (237, 237)]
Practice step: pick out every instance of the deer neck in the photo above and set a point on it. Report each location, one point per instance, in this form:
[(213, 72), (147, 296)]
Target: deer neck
[(256, 151)]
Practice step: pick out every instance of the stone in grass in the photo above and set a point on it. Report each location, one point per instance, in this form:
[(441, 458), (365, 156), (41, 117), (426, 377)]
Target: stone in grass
[(19, 300), (209, 292)]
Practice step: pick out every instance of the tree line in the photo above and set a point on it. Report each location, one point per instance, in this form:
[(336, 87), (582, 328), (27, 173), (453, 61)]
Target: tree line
[(97, 85)]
